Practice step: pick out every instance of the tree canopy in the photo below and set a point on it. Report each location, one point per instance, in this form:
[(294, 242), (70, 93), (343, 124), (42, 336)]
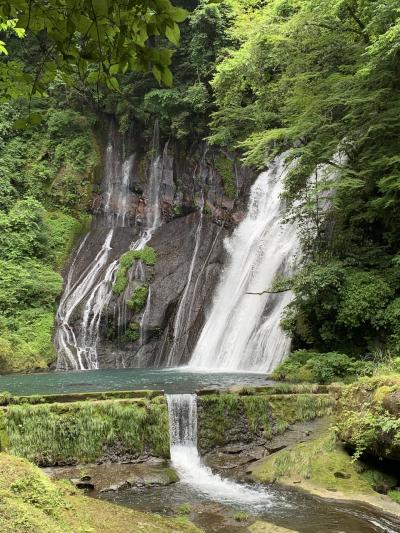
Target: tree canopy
[(88, 40)]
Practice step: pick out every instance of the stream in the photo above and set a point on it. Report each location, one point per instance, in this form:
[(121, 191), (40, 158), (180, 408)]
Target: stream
[(212, 501)]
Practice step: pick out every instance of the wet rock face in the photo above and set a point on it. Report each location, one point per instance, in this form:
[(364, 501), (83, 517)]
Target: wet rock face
[(197, 210), (190, 257)]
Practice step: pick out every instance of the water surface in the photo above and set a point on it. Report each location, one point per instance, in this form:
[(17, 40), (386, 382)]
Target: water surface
[(287, 508), (124, 379)]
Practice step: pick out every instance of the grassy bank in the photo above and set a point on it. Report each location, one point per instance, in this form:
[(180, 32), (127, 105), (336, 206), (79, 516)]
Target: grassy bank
[(31, 502), (87, 431), (325, 468)]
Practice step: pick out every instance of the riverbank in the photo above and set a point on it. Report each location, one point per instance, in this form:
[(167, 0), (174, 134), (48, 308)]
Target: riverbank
[(322, 467), (30, 501)]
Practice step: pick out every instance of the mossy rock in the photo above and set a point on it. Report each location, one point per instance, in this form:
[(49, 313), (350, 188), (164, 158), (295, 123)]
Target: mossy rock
[(320, 464), (368, 416), (31, 502)]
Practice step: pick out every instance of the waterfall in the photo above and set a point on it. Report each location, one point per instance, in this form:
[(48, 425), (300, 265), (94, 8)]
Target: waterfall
[(76, 341), (242, 331), (182, 412)]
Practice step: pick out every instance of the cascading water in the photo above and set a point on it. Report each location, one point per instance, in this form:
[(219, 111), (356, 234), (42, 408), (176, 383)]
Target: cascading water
[(182, 410), (91, 293), (242, 331)]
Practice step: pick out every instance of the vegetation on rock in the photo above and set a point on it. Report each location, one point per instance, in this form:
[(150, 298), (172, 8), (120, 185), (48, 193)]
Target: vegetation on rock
[(368, 418), (46, 180), (148, 256), (224, 418), (30, 501), (305, 365), (53, 434), (138, 299), (321, 464)]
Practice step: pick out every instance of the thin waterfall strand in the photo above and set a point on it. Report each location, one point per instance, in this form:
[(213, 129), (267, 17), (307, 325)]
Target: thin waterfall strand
[(185, 304), (77, 350)]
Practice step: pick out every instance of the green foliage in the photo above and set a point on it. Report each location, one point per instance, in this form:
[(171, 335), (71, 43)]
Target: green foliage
[(183, 111), (368, 418), (394, 495), (63, 232), (226, 169), (32, 502), (340, 307), (132, 332), (138, 299), (263, 415), (85, 41), (37, 493), (184, 509), (330, 367), (315, 464), (241, 516), (147, 256), (82, 432), (41, 216)]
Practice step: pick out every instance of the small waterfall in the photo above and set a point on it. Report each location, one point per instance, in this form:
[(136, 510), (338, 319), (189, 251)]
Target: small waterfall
[(76, 343), (242, 331), (182, 411)]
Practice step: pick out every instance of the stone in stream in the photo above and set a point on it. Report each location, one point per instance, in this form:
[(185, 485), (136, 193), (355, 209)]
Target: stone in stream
[(113, 477)]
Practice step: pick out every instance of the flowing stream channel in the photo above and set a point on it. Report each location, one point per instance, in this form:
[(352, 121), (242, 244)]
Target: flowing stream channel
[(213, 501)]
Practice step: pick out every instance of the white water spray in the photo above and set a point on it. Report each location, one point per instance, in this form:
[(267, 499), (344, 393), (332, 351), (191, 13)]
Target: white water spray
[(242, 331), (182, 410)]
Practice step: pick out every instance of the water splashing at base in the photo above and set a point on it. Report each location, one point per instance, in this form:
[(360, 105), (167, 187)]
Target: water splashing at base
[(182, 411)]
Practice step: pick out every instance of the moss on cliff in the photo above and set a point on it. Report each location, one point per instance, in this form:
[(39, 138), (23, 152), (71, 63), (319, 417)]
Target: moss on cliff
[(147, 255), (31, 502), (230, 417), (368, 417), (86, 431), (139, 298), (226, 169)]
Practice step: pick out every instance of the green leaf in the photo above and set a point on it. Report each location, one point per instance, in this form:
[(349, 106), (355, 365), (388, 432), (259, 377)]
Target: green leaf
[(100, 7), (173, 34), (178, 13), (157, 73), (112, 83), (167, 78)]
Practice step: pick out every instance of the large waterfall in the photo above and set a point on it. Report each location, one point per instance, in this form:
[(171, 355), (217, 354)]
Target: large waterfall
[(88, 293), (185, 458), (242, 331)]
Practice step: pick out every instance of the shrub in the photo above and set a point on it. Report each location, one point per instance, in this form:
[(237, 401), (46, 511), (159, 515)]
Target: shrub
[(139, 298), (304, 365), (184, 508), (147, 255), (241, 516), (132, 332)]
